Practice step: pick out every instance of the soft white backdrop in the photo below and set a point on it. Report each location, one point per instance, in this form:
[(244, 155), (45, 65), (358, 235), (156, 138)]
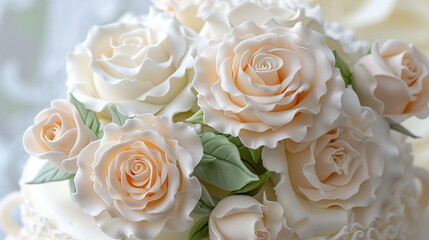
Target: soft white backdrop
[(35, 36)]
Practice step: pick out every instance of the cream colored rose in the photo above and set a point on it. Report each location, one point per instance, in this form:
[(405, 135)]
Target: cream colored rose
[(58, 135), (265, 84), (221, 16), (242, 217), (142, 65), (137, 180), (184, 10), (394, 81), (320, 181)]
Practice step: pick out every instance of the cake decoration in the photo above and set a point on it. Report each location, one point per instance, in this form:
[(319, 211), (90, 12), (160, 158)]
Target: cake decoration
[(229, 119)]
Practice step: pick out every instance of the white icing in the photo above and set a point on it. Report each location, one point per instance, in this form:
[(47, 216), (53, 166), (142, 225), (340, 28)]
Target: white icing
[(49, 212)]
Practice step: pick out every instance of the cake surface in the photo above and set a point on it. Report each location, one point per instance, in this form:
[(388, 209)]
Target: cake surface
[(49, 212)]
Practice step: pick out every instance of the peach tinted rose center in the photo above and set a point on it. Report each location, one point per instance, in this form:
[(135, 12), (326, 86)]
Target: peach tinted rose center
[(408, 69), (272, 70), (142, 172), (52, 128), (336, 162)]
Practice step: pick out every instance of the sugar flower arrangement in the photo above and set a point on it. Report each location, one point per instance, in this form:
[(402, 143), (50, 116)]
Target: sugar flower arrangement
[(237, 119)]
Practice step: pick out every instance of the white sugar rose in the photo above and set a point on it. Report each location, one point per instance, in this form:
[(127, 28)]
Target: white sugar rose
[(142, 65), (58, 135), (184, 10), (221, 16), (137, 180), (394, 81), (320, 181), (265, 84), (242, 217)]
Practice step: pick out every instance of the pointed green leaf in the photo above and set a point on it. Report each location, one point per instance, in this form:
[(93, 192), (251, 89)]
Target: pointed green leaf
[(403, 130), (370, 47), (197, 118), (117, 117), (207, 159), (207, 202), (253, 188), (50, 173), (89, 117), (100, 134), (256, 154), (224, 168), (344, 68), (200, 229), (248, 154), (72, 186)]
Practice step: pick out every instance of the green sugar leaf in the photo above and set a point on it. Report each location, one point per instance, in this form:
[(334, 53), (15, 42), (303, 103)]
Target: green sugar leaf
[(247, 154), (88, 117), (221, 164), (344, 68), (117, 117), (200, 229), (50, 173), (370, 47), (253, 188), (197, 118), (206, 203), (403, 130)]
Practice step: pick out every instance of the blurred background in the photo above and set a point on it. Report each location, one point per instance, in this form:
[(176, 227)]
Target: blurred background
[(35, 36)]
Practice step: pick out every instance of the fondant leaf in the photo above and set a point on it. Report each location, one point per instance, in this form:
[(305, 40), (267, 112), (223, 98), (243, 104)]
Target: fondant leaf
[(100, 134), (344, 68), (222, 165), (206, 203), (253, 188), (370, 47), (248, 154), (72, 186), (200, 229), (117, 117), (89, 117), (197, 118), (50, 173), (402, 129)]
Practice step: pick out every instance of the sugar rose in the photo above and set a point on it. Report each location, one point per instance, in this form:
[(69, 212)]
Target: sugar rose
[(184, 10), (242, 217), (58, 135), (142, 65), (221, 16), (394, 81), (322, 180), (265, 84), (137, 180)]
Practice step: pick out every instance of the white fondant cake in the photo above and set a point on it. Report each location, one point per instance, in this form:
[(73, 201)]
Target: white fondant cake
[(49, 212)]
